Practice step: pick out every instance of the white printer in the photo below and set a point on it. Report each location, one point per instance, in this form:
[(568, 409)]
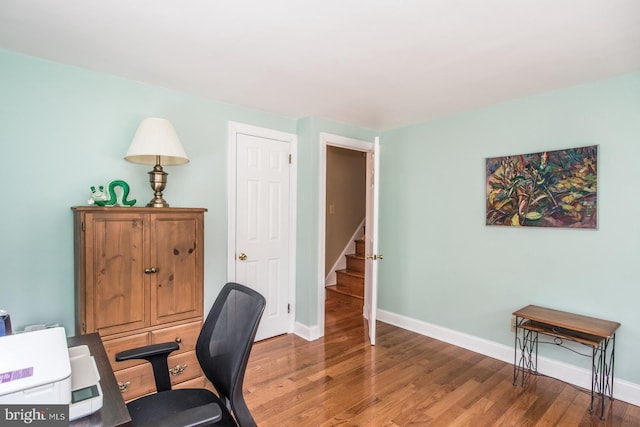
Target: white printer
[(37, 368)]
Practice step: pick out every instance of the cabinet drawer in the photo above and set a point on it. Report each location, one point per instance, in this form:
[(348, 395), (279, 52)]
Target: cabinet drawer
[(184, 367), (199, 382), (114, 346), (136, 381), (185, 335)]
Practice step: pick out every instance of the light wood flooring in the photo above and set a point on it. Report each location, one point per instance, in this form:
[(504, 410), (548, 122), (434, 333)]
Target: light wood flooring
[(405, 380)]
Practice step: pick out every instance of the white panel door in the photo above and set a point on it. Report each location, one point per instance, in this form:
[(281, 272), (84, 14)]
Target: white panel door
[(371, 240), (262, 226)]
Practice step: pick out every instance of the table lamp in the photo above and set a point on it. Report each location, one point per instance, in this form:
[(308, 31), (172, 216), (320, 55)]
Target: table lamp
[(156, 143)]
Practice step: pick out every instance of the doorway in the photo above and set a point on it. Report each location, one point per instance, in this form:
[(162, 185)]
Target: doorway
[(330, 140), (346, 174)]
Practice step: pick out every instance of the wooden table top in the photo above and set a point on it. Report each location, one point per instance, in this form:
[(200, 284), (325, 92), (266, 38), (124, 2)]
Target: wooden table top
[(562, 319)]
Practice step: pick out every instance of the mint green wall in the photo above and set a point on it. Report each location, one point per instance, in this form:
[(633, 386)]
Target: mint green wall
[(63, 129), (442, 264)]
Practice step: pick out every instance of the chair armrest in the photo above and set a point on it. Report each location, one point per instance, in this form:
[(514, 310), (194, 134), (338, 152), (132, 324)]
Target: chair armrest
[(194, 417), (157, 355), (147, 351)]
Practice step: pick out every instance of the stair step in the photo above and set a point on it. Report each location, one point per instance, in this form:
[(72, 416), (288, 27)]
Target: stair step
[(357, 275), (355, 263), (344, 298), (350, 282), (334, 291), (360, 248)]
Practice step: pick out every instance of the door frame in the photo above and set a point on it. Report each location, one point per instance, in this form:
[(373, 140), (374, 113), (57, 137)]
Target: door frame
[(236, 128), (328, 139)]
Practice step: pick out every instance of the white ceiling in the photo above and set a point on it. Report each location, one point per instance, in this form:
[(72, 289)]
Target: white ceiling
[(374, 63)]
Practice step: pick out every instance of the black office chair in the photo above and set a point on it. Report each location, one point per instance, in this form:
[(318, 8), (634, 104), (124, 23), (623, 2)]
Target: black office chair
[(223, 348)]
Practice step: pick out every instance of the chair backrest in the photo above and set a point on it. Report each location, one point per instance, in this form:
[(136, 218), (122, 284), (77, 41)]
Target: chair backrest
[(225, 342)]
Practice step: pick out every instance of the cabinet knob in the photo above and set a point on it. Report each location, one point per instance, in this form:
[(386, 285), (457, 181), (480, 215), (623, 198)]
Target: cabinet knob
[(124, 386), (178, 340), (151, 270)]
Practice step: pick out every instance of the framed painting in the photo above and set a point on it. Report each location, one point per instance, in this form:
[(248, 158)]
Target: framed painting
[(547, 189)]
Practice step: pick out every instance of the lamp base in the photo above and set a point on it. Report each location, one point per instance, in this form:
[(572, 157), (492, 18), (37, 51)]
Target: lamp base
[(158, 181), (158, 203)]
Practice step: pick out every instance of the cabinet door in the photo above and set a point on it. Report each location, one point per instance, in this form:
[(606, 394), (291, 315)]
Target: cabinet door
[(177, 252), (115, 260)]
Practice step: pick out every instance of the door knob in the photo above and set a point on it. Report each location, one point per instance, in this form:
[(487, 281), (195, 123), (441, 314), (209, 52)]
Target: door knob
[(242, 256)]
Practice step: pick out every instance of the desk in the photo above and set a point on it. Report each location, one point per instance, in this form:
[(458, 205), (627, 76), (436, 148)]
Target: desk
[(598, 334), (114, 412)]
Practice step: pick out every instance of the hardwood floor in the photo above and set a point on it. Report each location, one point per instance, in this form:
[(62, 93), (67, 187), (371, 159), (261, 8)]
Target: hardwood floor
[(405, 380)]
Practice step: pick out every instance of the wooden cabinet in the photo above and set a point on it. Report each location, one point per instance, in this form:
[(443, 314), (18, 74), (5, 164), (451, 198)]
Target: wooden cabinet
[(139, 275)]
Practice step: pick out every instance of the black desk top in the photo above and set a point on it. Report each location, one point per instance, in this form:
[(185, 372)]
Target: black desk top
[(114, 412)]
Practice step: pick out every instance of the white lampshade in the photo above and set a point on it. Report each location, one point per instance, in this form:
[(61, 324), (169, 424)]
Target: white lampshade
[(156, 137)]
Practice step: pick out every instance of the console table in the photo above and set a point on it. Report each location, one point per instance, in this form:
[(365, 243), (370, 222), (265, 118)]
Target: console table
[(598, 334)]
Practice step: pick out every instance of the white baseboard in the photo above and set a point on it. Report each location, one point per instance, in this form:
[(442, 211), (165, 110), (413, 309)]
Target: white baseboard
[(309, 333), (622, 390)]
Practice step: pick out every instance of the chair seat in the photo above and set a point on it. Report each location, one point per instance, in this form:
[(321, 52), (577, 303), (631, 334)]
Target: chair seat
[(149, 409)]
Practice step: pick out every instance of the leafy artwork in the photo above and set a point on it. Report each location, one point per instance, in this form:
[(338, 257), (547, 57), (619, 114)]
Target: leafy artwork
[(547, 189)]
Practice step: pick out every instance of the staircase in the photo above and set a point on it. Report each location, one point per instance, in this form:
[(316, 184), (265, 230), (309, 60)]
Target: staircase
[(349, 285)]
